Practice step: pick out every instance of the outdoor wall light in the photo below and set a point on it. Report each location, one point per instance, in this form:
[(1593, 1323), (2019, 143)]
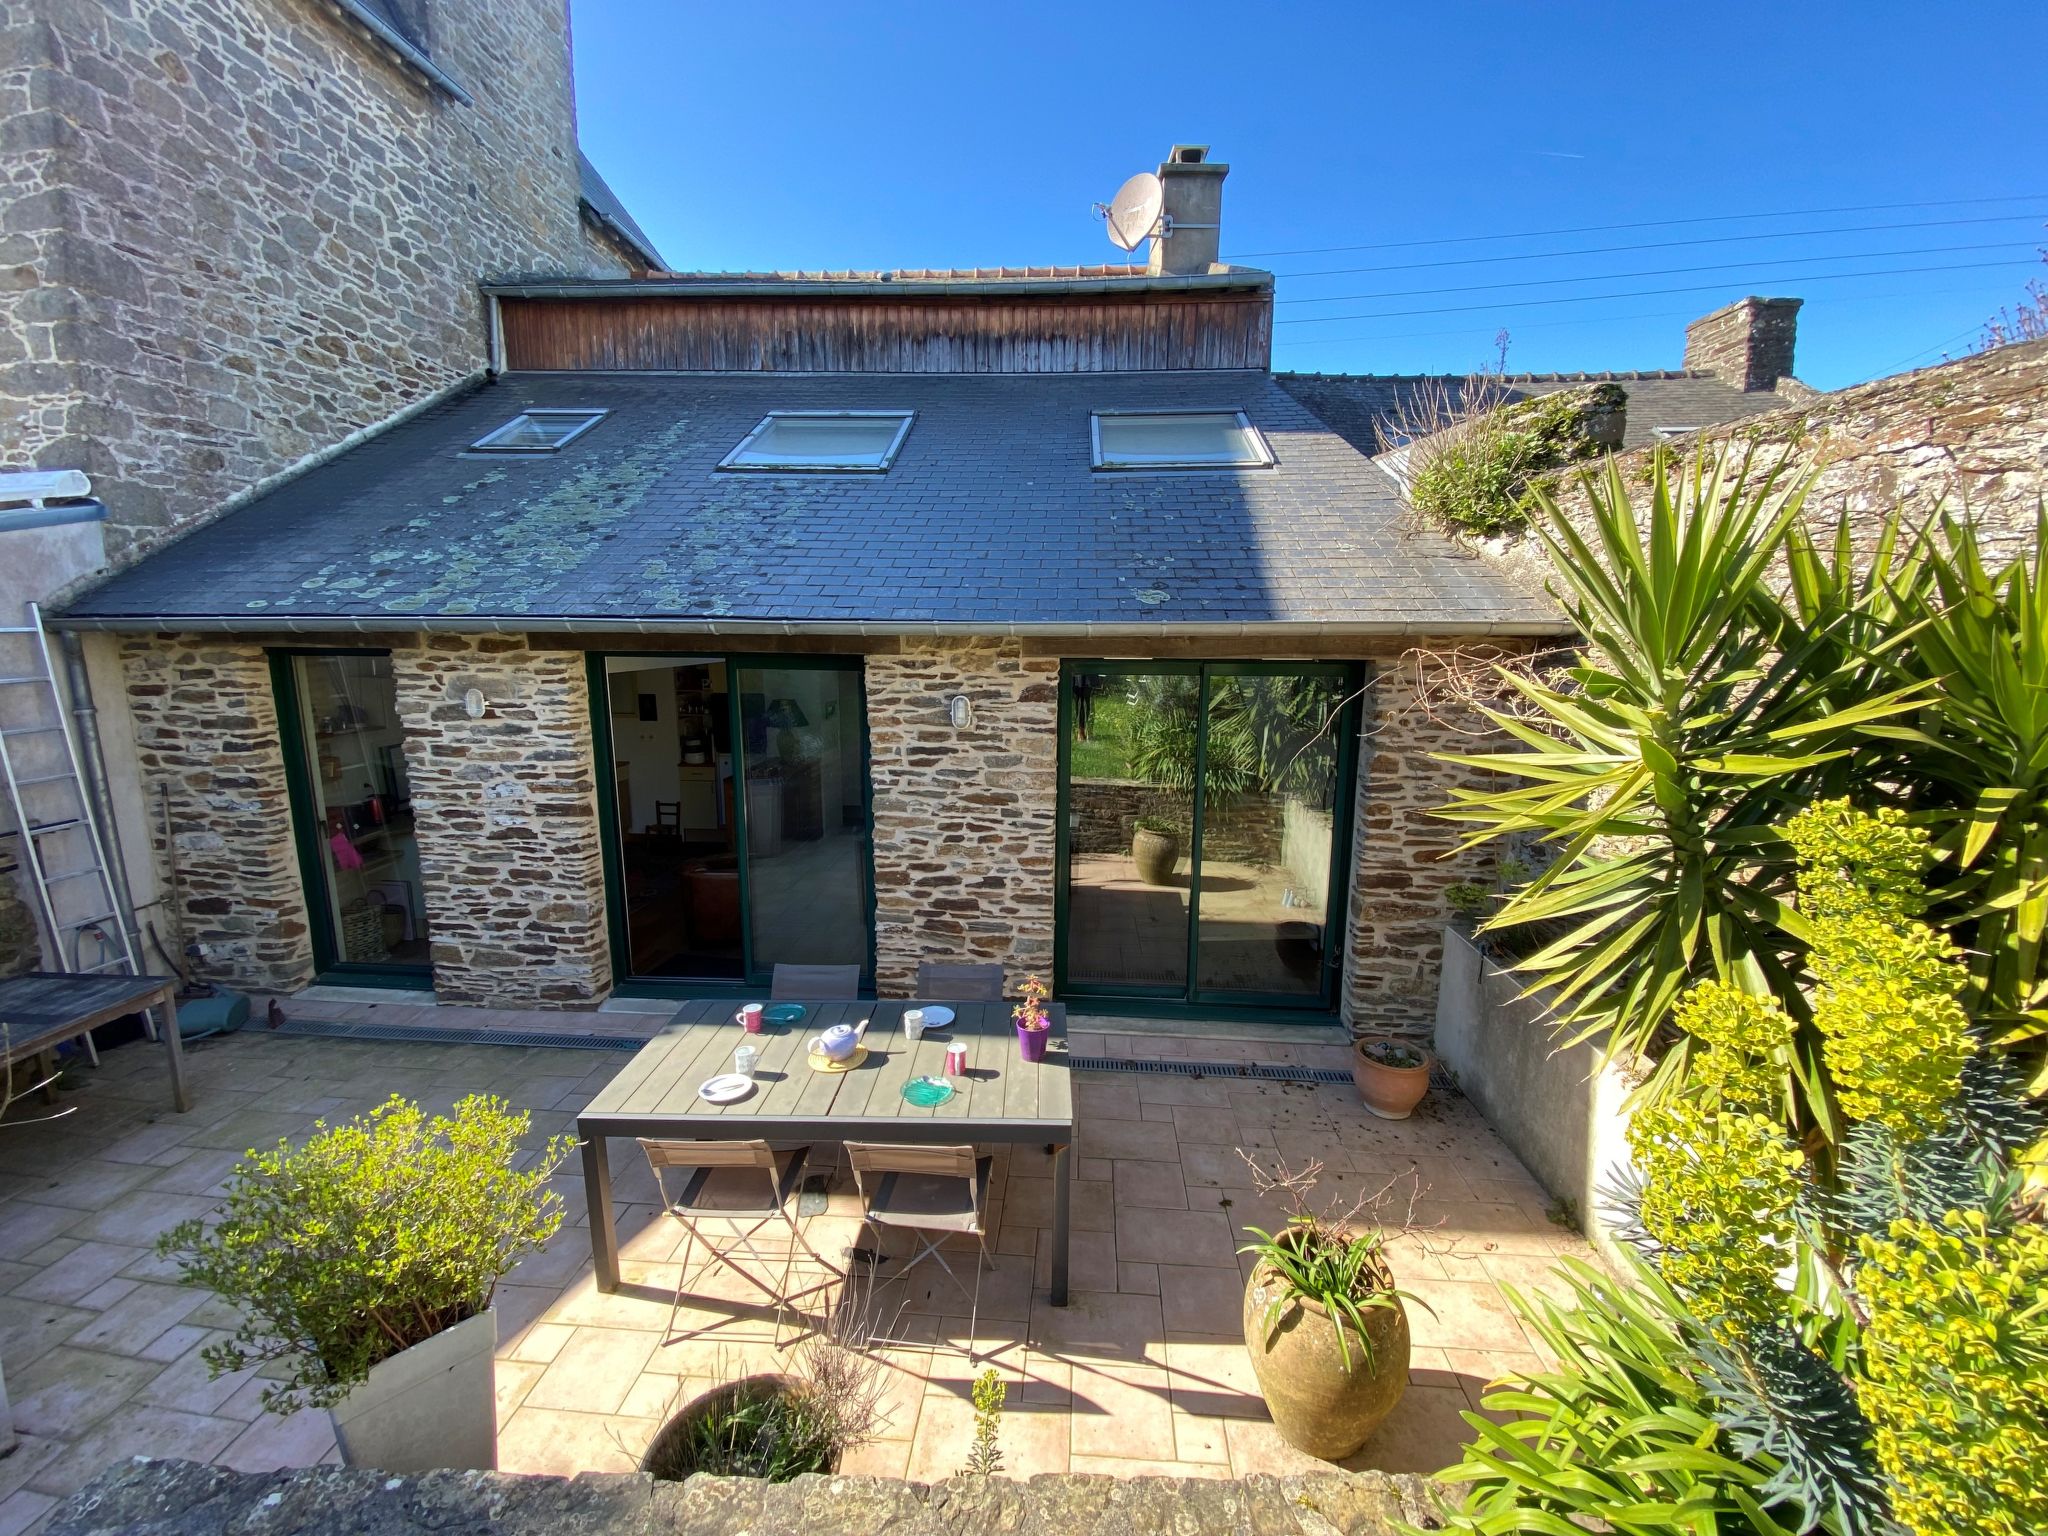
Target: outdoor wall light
[(473, 703), (960, 710)]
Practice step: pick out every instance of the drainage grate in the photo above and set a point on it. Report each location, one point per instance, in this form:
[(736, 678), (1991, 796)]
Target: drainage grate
[(438, 1034), (1439, 1079)]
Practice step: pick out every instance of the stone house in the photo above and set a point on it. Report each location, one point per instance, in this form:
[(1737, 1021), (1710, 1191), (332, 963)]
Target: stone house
[(239, 235), (1019, 615)]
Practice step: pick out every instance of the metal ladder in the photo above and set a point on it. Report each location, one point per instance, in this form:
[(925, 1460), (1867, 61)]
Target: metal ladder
[(54, 836)]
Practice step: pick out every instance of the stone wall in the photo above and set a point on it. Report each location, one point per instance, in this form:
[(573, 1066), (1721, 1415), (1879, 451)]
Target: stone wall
[(235, 231), (212, 767), (1404, 857), (184, 1498), (1970, 435), (1246, 829), (963, 819), (506, 808)]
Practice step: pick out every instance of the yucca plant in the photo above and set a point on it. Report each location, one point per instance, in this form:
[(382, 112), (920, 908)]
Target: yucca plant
[(1708, 702)]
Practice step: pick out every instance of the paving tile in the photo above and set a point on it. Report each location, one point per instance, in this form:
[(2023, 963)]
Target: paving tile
[(91, 1185), (141, 1317), (67, 1391), (1175, 1237), (594, 1370), (1200, 1299), (78, 1272), (1211, 1376), (135, 1430), (1124, 1138), (140, 1217), (301, 1439), (1098, 1326), (564, 1444), (1123, 1408), (21, 1511), (1152, 1184), (1138, 1279)]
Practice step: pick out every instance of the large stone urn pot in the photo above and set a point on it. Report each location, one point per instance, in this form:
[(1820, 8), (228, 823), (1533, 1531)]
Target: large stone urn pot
[(1316, 1403), (1155, 853)]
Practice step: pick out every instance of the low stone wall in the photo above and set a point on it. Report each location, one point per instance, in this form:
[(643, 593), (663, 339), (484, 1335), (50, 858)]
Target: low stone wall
[(1558, 1107), (963, 819), (1244, 830), (212, 768), (506, 810), (182, 1498)]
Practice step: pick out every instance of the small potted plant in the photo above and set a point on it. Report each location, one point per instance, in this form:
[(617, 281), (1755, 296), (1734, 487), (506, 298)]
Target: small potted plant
[(364, 1262), (1469, 902), (1392, 1076), (1155, 849), (1323, 1320), (1033, 1026)]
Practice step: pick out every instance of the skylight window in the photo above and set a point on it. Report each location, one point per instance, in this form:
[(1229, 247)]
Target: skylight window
[(540, 430), (1178, 440), (832, 442)]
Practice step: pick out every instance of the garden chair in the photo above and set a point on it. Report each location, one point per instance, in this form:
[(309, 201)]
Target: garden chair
[(960, 983), (932, 1192), (743, 1186), (814, 983)]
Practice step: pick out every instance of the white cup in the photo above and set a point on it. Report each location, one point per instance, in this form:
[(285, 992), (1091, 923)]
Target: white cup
[(913, 1025), (744, 1060)]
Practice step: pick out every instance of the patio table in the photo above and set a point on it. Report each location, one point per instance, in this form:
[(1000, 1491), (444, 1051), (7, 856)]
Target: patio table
[(1002, 1099), (41, 1009)]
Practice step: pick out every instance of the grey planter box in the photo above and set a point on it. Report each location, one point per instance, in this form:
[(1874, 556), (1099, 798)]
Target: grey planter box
[(435, 1405), (1558, 1107)]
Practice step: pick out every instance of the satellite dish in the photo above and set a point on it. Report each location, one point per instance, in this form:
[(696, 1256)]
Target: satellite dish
[(1134, 215)]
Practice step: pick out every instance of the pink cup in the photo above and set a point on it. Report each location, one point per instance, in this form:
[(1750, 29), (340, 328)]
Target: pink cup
[(750, 1018), (956, 1060)]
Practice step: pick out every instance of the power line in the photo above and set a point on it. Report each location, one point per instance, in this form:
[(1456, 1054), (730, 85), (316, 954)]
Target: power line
[(1615, 277), (1479, 328), (1597, 229), (1648, 245), (1644, 293)]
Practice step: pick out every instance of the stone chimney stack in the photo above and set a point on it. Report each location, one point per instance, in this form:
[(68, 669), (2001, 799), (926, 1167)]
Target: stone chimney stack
[(1749, 343), (1193, 202)]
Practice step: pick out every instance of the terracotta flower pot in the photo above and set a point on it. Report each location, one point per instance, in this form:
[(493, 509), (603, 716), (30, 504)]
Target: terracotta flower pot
[(1155, 854), (1321, 1407), (1388, 1091)]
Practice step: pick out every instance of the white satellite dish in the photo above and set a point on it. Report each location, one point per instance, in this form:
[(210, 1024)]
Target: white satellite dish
[(1134, 215)]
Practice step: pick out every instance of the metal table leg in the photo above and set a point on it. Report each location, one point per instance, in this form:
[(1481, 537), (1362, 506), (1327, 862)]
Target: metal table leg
[(597, 1195), (174, 1052), (1062, 1199)]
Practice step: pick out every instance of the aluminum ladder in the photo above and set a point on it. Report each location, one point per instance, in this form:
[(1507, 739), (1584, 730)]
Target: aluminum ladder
[(53, 836)]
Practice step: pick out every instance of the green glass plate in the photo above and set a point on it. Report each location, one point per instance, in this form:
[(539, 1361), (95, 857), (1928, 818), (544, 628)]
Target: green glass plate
[(785, 1013), (927, 1092)]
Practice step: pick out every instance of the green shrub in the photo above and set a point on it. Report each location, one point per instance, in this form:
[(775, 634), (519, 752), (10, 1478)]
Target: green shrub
[(985, 1455), (1473, 476), (370, 1238), (758, 1427)]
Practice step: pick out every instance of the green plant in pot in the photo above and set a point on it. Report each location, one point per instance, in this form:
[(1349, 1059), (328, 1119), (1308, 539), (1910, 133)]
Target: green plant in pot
[(1155, 849), (1323, 1319), (364, 1262)]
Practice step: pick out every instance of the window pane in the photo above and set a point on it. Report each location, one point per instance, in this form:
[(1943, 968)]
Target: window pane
[(362, 803), (855, 442), (539, 430), (1213, 437), (806, 815)]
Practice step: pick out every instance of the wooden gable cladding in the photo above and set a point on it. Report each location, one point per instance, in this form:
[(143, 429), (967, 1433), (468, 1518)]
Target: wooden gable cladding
[(912, 334)]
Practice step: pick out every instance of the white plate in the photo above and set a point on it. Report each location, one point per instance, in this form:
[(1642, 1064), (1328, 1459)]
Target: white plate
[(937, 1016), (728, 1089)]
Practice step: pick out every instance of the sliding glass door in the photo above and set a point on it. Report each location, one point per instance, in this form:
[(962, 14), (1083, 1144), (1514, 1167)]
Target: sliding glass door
[(736, 820), (1202, 849), (352, 814)]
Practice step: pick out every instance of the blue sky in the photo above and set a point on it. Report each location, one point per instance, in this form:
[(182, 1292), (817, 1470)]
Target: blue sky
[(957, 135)]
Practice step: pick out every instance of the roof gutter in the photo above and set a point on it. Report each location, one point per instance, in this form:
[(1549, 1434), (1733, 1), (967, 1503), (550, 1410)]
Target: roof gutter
[(495, 624), (755, 288), (649, 257)]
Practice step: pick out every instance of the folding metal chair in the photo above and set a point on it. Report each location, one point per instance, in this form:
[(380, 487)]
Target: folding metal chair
[(745, 1185), (814, 983), (960, 983), (932, 1192)]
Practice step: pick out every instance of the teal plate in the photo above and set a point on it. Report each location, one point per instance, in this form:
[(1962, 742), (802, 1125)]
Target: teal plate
[(785, 1013), (927, 1092)]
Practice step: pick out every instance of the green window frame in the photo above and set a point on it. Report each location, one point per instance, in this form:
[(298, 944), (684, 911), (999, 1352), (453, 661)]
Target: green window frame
[(755, 979), (1192, 999)]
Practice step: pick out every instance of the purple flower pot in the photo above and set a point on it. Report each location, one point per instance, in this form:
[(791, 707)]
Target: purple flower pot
[(1031, 1043)]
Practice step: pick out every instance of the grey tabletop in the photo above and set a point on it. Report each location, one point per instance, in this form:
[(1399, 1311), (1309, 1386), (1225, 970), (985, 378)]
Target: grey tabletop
[(999, 1089), (41, 1000)]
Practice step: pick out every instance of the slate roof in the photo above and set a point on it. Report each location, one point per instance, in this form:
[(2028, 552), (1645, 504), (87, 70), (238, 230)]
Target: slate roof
[(600, 202), (1671, 400), (991, 519)]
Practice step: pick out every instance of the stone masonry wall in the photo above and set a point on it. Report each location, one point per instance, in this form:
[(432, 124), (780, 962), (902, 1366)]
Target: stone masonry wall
[(964, 819), (1404, 857), (1971, 436), (506, 808), (233, 232), (211, 762), (185, 1498)]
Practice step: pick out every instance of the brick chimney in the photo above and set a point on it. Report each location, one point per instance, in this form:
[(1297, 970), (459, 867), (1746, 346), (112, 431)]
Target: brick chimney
[(1193, 202), (1749, 344)]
